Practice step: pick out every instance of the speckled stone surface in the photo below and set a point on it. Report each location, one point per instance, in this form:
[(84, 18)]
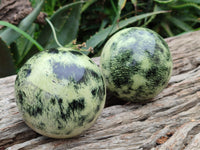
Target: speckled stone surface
[(60, 93), (136, 63)]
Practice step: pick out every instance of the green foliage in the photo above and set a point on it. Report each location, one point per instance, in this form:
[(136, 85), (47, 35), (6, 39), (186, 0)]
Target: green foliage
[(10, 35), (66, 23), (90, 21), (184, 17), (7, 66), (101, 36)]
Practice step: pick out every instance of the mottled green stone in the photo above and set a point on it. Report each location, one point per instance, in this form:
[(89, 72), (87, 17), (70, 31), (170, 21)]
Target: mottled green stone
[(60, 93), (136, 63)]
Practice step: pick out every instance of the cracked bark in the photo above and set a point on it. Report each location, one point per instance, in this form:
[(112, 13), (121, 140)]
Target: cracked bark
[(14, 11), (170, 121)]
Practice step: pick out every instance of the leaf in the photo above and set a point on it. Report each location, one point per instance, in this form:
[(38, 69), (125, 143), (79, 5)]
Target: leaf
[(180, 24), (19, 32), (163, 1), (87, 4), (103, 34), (7, 66), (191, 1), (134, 2), (24, 45), (10, 35), (114, 7), (66, 23), (167, 29), (156, 8), (121, 4), (181, 6)]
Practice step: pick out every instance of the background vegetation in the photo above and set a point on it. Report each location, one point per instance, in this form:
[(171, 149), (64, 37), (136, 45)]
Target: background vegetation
[(93, 22)]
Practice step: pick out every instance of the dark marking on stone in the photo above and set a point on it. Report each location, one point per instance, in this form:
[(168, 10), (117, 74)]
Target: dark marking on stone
[(60, 101), (38, 96), (156, 59), (151, 73), (76, 86), (140, 93), (70, 72), (17, 82), (94, 74), (158, 48), (76, 53), (28, 72), (60, 125), (34, 110), (53, 51), (94, 92), (164, 82), (63, 115), (21, 96), (91, 119), (156, 75), (101, 93), (77, 104), (84, 78), (53, 101), (113, 46), (120, 79), (41, 126), (68, 132), (97, 109), (26, 69), (91, 61), (81, 120), (121, 71)]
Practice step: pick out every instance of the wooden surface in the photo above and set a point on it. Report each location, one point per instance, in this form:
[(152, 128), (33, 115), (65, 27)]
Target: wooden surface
[(171, 121)]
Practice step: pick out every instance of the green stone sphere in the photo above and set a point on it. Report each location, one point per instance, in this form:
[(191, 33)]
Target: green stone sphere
[(136, 63), (60, 93)]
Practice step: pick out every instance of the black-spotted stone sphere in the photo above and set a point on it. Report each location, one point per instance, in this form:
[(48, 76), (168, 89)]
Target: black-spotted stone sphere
[(60, 93), (136, 63)]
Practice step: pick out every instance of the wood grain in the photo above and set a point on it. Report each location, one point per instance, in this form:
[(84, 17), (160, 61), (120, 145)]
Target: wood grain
[(170, 121)]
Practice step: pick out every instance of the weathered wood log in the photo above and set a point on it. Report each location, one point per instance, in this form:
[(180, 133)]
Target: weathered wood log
[(14, 11), (170, 121)]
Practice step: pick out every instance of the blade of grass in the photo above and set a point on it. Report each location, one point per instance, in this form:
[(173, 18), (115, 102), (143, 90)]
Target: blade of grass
[(167, 29), (191, 1), (152, 17), (186, 5), (22, 44), (87, 4), (121, 4), (180, 24), (163, 2), (21, 32)]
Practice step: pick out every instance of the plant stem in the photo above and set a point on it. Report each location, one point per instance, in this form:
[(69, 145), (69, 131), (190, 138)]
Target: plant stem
[(54, 32)]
